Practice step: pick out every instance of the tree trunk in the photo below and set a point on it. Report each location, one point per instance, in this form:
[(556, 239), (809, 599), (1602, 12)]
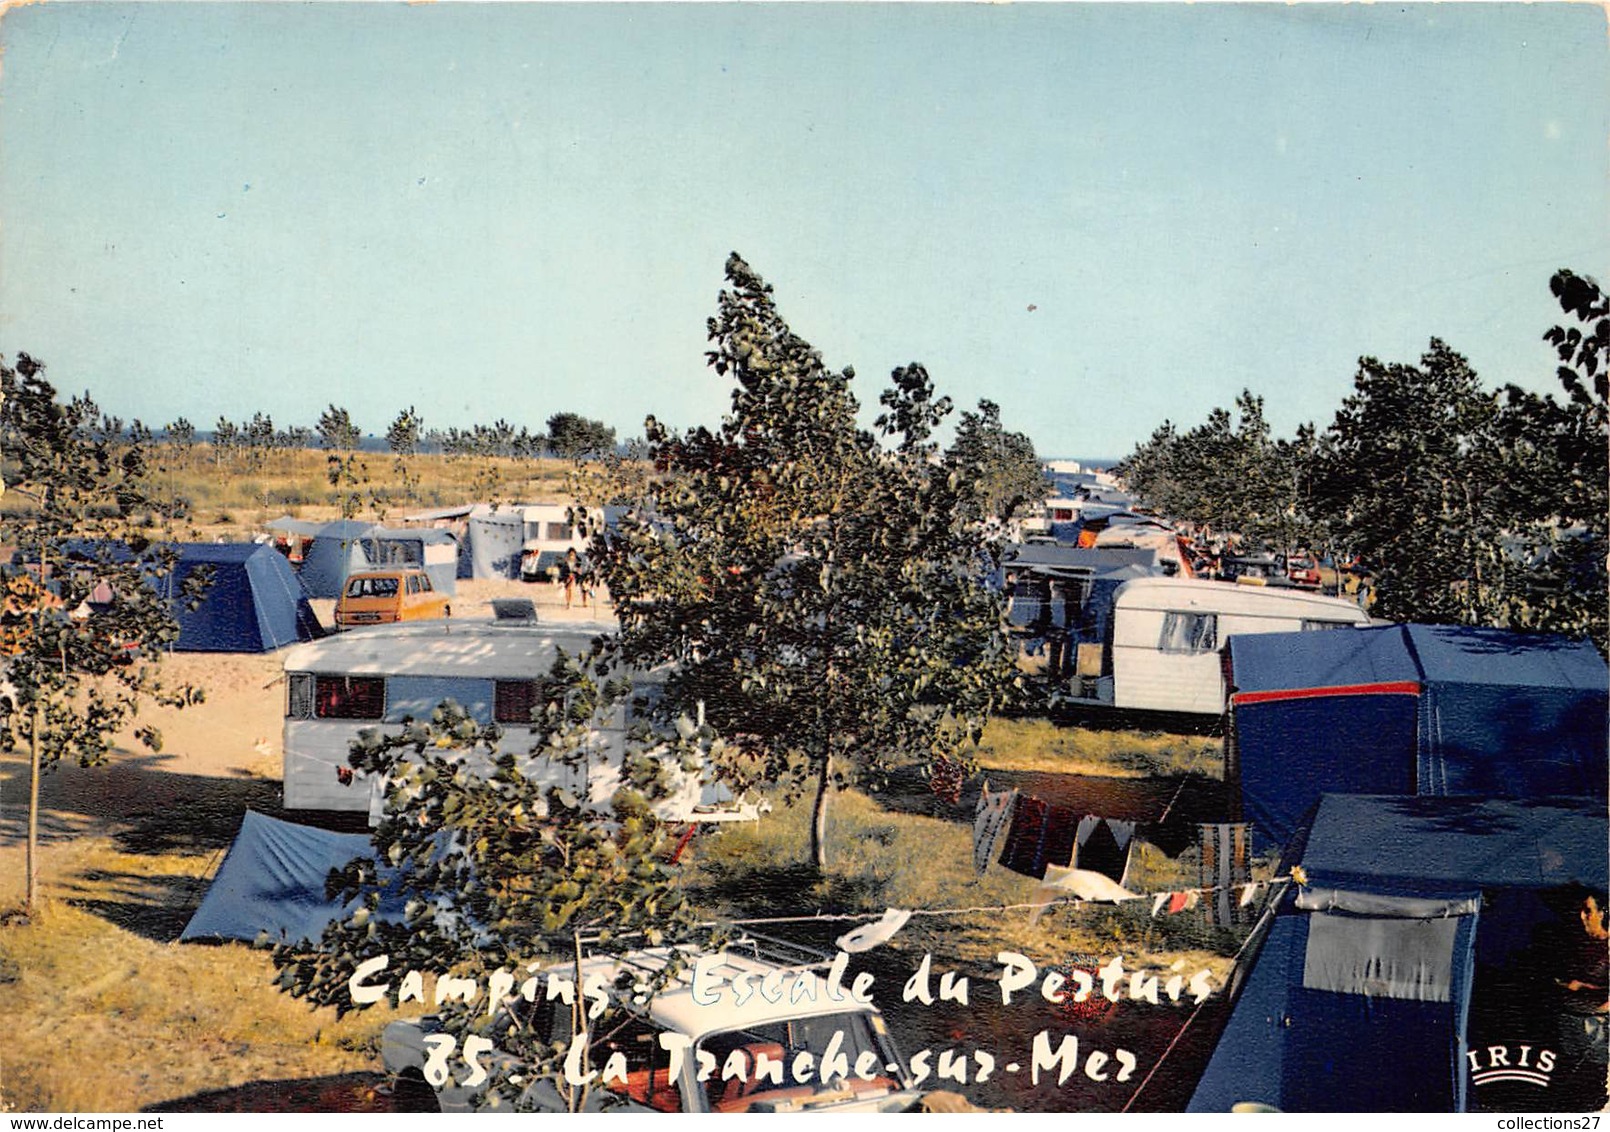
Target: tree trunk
[(578, 1025), (824, 786), (31, 864)]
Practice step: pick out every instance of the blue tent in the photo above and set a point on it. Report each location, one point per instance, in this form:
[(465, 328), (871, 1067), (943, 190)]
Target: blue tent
[(1411, 709), (253, 604), (273, 880), (328, 552), (1373, 989)]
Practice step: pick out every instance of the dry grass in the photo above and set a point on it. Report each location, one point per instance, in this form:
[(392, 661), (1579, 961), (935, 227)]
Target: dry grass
[(227, 495), (1038, 745), (881, 858), (106, 1018)]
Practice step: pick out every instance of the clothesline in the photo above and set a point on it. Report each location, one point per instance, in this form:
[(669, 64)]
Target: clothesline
[(857, 917)]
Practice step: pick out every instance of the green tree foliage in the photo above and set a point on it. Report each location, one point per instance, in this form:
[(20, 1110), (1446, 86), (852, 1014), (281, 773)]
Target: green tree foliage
[(336, 430), (1411, 480), (259, 432), (403, 433), (403, 438), (1555, 463), (1229, 474), (259, 438), (500, 873), (572, 437), (181, 433), (226, 439), (1584, 350), (1001, 465), (349, 476), (819, 593), (497, 439), (75, 677)]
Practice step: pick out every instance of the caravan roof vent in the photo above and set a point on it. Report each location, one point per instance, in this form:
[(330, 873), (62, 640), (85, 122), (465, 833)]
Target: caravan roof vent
[(514, 610)]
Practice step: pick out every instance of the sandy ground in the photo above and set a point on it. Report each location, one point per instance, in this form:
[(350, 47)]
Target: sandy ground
[(217, 759)]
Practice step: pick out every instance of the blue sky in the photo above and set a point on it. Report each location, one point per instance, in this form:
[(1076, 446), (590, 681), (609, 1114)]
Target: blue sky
[(1097, 216)]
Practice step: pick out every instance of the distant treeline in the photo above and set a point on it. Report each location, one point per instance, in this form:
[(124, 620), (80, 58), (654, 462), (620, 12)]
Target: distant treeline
[(568, 436)]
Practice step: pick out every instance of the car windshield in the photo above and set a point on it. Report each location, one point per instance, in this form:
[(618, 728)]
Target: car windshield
[(762, 1067), (372, 587)]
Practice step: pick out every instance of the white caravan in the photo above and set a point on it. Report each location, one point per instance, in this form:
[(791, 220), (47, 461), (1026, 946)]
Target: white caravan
[(1166, 633), (376, 678)]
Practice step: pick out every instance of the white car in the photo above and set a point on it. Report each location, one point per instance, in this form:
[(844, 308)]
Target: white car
[(741, 1053)]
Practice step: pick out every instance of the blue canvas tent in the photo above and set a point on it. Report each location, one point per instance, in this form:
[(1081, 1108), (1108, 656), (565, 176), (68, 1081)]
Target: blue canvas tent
[(1370, 988), (273, 881), (1411, 709), (253, 603), (324, 553)]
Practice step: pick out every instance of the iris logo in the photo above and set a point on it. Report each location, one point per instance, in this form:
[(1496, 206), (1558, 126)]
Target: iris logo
[(1510, 1063)]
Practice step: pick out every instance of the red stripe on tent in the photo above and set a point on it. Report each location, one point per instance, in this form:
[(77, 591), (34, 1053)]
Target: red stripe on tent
[(1395, 688)]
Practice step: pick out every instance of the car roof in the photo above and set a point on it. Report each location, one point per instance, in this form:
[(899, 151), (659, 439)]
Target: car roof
[(674, 1008)]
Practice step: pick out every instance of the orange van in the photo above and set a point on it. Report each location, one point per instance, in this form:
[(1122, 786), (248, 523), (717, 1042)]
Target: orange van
[(376, 597)]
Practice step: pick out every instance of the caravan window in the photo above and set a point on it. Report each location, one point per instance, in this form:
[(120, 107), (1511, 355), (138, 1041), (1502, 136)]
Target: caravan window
[(1309, 624), (299, 696), (558, 532), (349, 697), (1031, 601), (1189, 633), (513, 701)]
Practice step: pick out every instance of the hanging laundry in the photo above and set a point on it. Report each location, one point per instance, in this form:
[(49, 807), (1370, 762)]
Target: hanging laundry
[(1122, 831), (1040, 834), (868, 936), (1178, 902), (1079, 883), (1224, 865), (1102, 851), (1157, 904), (990, 822), (1061, 836), (1248, 891), (1025, 836)]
